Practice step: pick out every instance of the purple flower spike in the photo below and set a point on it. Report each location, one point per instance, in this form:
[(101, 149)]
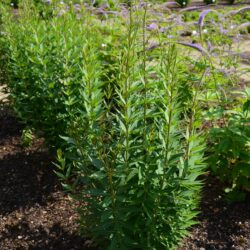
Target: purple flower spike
[(235, 12), (191, 8), (142, 4), (171, 4), (152, 26), (163, 29), (222, 30), (197, 47), (244, 25), (203, 15), (209, 46)]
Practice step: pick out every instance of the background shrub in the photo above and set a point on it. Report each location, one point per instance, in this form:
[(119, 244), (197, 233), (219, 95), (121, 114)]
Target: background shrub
[(229, 155), (45, 59)]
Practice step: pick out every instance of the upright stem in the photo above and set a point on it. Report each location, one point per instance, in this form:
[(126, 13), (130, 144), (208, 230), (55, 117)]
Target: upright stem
[(170, 96), (144, 77), (127, 86), (191, 121)]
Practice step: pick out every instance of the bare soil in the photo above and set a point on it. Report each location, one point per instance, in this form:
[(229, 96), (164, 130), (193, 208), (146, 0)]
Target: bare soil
[(221, 225), (34, 211)]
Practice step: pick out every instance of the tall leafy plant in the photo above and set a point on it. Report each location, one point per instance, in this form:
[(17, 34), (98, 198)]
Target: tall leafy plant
[(43, 61), (134, 161)]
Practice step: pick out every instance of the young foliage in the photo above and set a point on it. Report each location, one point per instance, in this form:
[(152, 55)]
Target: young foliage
[(135, 159), (44, 62), (229, 155)]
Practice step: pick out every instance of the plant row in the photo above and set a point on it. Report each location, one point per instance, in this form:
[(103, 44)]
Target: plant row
[(124, 106)]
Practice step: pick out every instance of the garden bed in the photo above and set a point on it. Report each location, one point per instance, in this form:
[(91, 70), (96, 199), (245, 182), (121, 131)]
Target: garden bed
[(36, 214), (121, 177)]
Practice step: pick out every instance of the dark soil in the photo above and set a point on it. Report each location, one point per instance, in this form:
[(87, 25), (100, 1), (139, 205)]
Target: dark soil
[(221, 225), (36, 214), (34, 211)]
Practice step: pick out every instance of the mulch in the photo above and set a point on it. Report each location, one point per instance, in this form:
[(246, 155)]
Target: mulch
[(221, 225), (35, 213)]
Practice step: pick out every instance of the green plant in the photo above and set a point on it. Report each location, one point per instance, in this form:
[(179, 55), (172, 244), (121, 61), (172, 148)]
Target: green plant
[(43, 61), (227, 142), (27, 137), (230, 150), (134, 161)]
